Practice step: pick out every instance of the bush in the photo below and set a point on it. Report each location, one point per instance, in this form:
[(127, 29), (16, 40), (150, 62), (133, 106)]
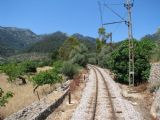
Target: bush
[(4, 97), (29, 66), (69, 69), (103, 55), (44, 63), (57, 65), (12, 70), (79, 55), (79, 59), (47, 77), (92, 61), (67, 47), (17, 70), (118, 61)]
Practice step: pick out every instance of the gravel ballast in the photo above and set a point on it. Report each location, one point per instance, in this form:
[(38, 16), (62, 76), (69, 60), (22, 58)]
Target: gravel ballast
[(83, 109), (124, 110), (121, 106)]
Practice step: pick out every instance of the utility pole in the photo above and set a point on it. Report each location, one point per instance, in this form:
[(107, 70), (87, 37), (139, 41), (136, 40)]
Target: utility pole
[(128, 6)]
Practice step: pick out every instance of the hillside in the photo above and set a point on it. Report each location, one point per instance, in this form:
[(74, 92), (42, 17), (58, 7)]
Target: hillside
[(155, 57), (49, 43), (52, 42), (155, 37), (15, 39), (88, 41)]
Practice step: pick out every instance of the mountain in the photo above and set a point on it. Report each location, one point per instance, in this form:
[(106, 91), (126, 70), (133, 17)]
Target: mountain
[(49, 43), (81, 37), (14, 39), (90, 42), (17, 40), (154, 37), (52, 42), (155, 57)]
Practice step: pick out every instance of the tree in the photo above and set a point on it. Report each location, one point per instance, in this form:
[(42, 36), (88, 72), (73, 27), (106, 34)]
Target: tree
[(104, 55), (79, 55), (54, 55), (18, 70), (67, 47), (47, 77), (99, 45), (118, 61)]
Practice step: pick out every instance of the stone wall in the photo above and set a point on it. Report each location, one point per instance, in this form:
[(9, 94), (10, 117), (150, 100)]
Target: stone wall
[(154, 81), (38, 110), (154, 74)]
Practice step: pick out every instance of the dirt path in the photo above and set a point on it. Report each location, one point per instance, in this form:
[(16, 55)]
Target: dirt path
[(140, 98), (65, 110)]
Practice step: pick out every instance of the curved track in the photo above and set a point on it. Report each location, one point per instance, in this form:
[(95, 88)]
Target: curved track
[(104, 106), (102, 99)]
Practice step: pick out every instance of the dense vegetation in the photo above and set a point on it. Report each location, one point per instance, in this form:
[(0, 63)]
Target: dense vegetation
[(155, 57), (117, 61), (18, 70), (47, 77), (49, 43)]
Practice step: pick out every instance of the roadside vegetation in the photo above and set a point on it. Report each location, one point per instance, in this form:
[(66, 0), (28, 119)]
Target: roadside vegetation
[(4, 97)]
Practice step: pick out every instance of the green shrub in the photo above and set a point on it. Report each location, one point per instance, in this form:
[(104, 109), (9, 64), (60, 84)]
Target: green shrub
[(57, 65), (12, 70), (4, 97), (18, 70), (79, 55), (29, 66), (92, 61), (67, 47), (103, 55), (118, 61), (79, 59), (47, 77), (69, 69)]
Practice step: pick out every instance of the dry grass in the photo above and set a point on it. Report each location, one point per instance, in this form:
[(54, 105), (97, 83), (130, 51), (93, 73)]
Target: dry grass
[(43, 69), (23, 95)]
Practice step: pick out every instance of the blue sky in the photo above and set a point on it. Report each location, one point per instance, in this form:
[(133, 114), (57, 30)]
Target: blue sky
[(78, 16)]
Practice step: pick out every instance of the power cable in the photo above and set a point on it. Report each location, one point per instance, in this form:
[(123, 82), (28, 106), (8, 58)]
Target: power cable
[(101, 14), (107, 6)]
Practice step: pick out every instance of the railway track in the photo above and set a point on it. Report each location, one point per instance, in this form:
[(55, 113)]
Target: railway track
[(104, 108), (102, 99), (99, 104)]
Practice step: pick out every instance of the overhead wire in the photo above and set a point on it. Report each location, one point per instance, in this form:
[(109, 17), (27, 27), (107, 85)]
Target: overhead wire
[(107, 6), (122, 18), (101, 13)]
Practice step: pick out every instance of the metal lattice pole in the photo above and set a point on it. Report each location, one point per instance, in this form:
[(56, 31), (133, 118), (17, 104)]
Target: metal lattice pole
[(129, 5)]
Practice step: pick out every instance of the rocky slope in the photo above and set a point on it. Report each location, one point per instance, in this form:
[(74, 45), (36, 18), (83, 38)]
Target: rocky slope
[(13, 39)]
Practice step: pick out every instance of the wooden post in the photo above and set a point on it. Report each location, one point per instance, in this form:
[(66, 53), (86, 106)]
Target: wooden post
[(69, 96), (38, 95)]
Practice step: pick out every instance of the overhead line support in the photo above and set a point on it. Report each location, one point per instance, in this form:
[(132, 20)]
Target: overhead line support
[(128, 5)]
